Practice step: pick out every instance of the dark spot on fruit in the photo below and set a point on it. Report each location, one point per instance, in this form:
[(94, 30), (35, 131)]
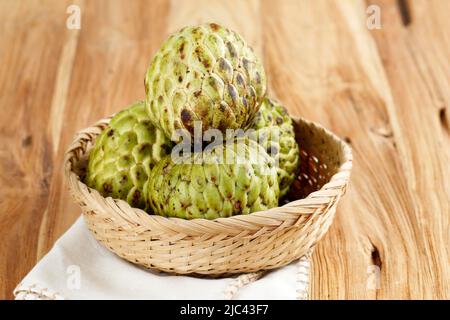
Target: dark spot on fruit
[(188, 85), (107, 187), (186, 116), (224, 65), (197, 94), (214, 26), (232, 92), (239, 79), (144, 147), (231, 50), (237, 205), (136, 197), (213, 179), (110, 133), (124, 178), (258, 78), (229, 195), (180, 78), (279, 120), (222, 107)]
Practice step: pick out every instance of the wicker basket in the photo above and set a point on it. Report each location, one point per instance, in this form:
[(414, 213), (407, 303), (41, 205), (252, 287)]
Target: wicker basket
[(244, 243)]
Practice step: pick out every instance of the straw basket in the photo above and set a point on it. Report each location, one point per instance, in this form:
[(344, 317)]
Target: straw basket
[(245, 243)]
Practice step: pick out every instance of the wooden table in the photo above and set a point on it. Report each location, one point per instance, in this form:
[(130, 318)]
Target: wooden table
[(385, 90)]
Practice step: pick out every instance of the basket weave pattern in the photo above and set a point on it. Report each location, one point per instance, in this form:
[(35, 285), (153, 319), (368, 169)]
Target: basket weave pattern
[(244, 243)]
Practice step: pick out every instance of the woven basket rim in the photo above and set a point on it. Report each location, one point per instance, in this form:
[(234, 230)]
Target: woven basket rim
[(281, 217)]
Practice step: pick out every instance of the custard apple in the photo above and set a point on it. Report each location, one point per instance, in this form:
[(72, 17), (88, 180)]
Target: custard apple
[(237, 177), (204, 73), (124, 154), (275, 132)]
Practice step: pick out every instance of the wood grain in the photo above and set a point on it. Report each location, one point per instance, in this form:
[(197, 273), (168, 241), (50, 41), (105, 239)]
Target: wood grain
[(384, 90)]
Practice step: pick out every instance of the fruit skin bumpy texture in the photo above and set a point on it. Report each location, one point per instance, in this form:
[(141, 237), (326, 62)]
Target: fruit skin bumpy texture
[(204, 73), (245, 182), (124, 154), (275, 132)]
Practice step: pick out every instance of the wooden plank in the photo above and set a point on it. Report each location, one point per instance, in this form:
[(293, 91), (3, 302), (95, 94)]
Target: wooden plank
[(415, 53), (26, 148), (325, 66), (113, 50)]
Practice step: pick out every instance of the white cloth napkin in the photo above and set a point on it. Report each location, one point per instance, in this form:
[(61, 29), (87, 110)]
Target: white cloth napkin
[(79, 267)]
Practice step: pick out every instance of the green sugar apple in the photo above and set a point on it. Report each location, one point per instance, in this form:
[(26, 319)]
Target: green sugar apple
[(275, 132), (204, 73), (124, 154), (237, 177)]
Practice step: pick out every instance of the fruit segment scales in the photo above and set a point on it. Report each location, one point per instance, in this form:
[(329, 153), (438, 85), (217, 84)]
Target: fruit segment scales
[(274, 130), (237, 177), (124, 154), (204, 73)]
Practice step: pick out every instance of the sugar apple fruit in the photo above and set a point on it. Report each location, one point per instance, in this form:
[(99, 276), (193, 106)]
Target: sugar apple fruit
[(204, 73), (124, 154), (275, 132), (237, 177)]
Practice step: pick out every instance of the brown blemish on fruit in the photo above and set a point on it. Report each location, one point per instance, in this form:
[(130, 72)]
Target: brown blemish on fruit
[(110, 133), (136, 197), (107, 187), (237, 205), (186, 118), (186, 115), (214, 26), (279, 120)]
